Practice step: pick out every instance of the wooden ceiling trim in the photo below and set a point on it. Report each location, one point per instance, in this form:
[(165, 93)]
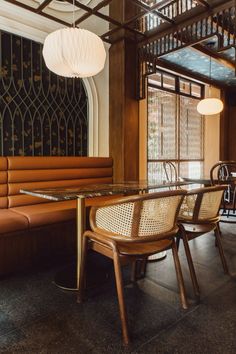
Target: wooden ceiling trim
[(154, 10), (107, 18), (206, 49), (31, 9), (185, 72), (94, 11), (157, 62), (109, 33), (204, 3), (80, 5), (91, 11), (216, 55), (43, 5)]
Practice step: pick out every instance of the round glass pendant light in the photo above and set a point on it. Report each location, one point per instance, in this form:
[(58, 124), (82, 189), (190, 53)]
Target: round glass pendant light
[(210, 106), (74, 52)]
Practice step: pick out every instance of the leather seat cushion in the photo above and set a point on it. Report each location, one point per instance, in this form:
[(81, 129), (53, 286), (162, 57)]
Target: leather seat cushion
[(141, 248), (48, 213), (11, 221), (54, 212)]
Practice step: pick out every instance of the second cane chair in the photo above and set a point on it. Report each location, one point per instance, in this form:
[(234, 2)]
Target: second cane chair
[(223, 172), (170, 171), (199, 214), (132, 228)]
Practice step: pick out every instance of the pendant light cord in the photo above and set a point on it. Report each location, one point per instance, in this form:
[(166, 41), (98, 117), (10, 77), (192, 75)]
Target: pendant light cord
[(210, 67), (73, 13), (210, 79)]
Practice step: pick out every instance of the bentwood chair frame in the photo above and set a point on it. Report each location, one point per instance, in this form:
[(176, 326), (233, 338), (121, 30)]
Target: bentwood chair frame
[(220, 173), (170, 171), (199, 214), (130, 229)]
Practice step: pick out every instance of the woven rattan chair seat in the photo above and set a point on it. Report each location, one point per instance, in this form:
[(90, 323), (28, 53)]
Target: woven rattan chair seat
[(201, 228), (144, 248)]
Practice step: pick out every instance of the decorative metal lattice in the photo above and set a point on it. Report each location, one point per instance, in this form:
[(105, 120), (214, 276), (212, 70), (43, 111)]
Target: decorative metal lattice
[(40, 113)]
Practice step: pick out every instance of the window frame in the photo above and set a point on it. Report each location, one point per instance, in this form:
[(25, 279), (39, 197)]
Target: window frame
[(177, 89), (178, 94)]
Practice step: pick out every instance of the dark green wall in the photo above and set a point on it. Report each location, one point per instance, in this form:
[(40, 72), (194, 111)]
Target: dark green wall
[(40, 113)]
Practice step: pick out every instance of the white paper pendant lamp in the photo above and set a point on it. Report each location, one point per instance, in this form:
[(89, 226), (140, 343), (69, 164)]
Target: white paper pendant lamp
[(74, 52), (210, 106)]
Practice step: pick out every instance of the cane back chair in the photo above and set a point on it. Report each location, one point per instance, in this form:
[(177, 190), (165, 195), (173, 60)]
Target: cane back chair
[(170, 171), (132, 228), (199, 214), (221, 173)]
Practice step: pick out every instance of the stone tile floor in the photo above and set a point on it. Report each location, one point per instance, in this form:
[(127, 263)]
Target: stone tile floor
[(37, 317)]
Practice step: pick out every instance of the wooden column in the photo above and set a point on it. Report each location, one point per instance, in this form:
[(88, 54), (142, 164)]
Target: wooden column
[(124, 108), (228, 126), (224, 128)]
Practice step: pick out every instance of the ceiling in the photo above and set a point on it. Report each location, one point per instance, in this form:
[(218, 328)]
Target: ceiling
[(196, 31)]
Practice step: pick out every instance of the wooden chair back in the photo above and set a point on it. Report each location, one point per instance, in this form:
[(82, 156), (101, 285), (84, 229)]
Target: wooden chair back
[(170, 171), (202, 205), (139, 218), (221, 172)]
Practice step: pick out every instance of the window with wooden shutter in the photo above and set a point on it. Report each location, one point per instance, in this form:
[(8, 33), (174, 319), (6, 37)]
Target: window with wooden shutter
[(175, 129)]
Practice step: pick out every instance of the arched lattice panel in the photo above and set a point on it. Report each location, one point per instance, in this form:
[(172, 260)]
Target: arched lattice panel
[(41, 114)]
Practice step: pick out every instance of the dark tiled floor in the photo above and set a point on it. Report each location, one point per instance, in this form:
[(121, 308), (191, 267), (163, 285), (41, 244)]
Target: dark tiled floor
[(37, 317)]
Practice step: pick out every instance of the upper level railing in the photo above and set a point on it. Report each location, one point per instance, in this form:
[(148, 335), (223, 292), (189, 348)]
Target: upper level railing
[(218, 23), (165, 13), (177, 7)]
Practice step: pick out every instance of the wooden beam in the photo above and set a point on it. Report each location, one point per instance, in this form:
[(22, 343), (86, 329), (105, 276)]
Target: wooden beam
[(43, 5), (154, 10), (89, 10), (216, 55), (30, 8), (210, 52), (203, 3), (107, 18), (185, 72), (94, 11), (123, 106)]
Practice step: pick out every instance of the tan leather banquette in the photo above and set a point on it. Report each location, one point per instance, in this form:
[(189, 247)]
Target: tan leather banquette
[(34, 230)]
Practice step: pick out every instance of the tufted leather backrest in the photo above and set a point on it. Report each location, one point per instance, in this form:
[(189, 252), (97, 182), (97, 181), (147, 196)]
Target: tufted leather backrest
[(48, 172), (3, 183)]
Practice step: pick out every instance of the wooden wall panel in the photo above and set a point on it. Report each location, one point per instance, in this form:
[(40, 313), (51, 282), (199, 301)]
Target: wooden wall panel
[(116, 109), (228, 126), (124, 107)]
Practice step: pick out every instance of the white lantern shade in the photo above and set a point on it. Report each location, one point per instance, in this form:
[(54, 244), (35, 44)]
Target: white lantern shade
[(210, 106), (74, 52)]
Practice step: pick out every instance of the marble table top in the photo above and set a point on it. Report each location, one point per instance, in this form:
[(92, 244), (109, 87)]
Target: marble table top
[(206, 180), (93, 190)]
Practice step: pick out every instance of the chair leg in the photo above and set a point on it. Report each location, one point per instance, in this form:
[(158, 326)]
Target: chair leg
[(82, 275), (190, 264), (177, 242), (179, 275), (143, 267), (133, 271), (221, 251), (120, 293)]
